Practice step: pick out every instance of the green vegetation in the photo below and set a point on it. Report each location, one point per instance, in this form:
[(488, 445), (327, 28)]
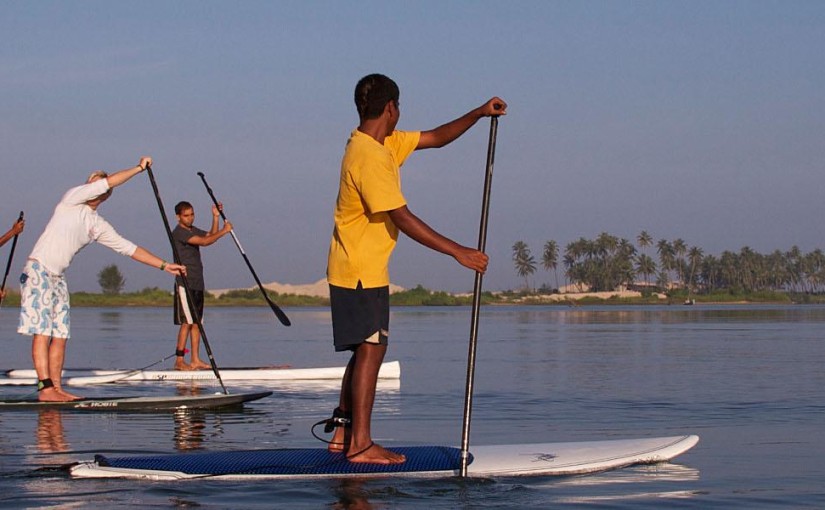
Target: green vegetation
[(246, 297), (111, 280), (156, 297), (419, 296), (150, 296), (609, 263)]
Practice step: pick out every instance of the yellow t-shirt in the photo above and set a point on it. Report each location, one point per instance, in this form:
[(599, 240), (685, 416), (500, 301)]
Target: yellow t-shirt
[(370, 186)]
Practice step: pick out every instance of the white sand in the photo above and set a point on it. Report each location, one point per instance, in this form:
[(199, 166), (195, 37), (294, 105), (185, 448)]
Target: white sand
[(321, 289), (317, 289)]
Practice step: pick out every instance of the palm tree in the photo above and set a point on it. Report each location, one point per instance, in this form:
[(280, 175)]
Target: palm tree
[(646, 266), (777, 270), (608, 262), (815, 269), (603, 264), (748, 268), (550, 258), (605, 246), (694, 257), (729, 271), (794, 266), (625, 273), (644, 239), (524, 262), (710, 272), (663, 280), (666, 256), (679, 249)]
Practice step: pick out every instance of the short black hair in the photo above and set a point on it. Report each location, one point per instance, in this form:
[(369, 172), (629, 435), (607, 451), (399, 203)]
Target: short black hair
[(372, 93), (182, 206)]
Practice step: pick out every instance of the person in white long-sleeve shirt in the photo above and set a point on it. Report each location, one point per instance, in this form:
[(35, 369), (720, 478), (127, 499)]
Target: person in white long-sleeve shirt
[(44, 300)]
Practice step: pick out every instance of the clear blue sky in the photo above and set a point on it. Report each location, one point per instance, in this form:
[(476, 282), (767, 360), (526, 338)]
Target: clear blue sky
[(700, 120)]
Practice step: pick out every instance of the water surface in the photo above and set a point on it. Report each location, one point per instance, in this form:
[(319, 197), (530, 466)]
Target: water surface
[(747, 379)]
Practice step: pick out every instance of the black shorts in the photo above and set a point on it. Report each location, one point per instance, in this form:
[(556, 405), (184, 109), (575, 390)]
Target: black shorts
[(183, 311), (359, 315)]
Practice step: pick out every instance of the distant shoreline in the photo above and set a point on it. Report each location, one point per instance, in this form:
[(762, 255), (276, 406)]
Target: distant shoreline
[(420, 296)]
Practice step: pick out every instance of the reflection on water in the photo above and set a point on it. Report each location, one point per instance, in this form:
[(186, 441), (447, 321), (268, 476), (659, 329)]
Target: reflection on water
[(190, 388), (645, 497), (50, 435), (110, 320), (190, 425), (352, 495), (664, 472), (594, 315)]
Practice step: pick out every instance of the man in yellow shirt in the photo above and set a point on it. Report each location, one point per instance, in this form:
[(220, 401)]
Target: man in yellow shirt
[(369, 212)]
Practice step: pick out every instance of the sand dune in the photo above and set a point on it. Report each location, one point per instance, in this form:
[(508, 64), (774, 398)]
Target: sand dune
[(318, 289)]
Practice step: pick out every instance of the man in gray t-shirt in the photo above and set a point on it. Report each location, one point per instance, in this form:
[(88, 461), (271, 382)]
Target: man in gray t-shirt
[(188, 240)]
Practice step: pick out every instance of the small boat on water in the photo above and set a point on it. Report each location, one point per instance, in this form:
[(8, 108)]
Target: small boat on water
[(85, 377)]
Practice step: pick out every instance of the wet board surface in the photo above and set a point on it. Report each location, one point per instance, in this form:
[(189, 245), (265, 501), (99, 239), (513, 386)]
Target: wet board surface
[(543, 459)]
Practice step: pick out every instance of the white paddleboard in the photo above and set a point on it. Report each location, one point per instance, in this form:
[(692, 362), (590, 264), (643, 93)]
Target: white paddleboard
[(543, 459), (75, 377)]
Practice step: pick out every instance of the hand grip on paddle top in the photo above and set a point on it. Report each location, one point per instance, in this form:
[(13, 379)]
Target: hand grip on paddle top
[(19, 225), (494, 107)]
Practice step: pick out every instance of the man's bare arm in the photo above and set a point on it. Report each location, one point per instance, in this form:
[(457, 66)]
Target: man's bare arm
[(442, 135), (419, 231)]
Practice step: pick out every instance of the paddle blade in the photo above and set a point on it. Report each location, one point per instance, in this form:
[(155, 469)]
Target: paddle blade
[(278, 312)]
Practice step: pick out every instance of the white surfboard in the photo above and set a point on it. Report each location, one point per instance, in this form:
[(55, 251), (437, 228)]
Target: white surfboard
[(545, 459), (81, 377)]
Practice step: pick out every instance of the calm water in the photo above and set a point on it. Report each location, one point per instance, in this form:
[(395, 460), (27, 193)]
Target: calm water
[(748, 380)]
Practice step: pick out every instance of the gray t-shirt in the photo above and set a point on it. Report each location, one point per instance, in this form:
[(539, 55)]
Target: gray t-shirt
[(190, 256)]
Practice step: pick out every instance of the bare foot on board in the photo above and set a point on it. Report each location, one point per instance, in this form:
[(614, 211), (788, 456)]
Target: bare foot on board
[(65, 393), (199, 365), (376, 454), (180, 365), (53, 395)]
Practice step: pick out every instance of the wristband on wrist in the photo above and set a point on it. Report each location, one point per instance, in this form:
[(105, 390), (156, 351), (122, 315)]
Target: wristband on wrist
[(163, 265)]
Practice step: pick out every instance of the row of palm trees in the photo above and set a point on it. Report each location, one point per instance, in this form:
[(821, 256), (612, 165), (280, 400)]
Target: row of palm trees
[(609, 263)]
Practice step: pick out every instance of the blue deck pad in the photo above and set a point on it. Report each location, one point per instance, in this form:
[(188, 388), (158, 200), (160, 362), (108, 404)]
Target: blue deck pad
[(298, 461)]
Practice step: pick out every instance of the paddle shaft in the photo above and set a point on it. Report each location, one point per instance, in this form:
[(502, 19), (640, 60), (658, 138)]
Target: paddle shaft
[(11, 257), (482, 244), (275, 308), (195, 315)]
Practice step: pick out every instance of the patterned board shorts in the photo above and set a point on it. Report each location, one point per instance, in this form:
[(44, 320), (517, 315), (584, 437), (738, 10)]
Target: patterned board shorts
[(44, 302)]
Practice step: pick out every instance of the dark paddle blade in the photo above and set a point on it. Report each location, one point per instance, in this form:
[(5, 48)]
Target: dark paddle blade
[(275, 308), (11, 257)]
